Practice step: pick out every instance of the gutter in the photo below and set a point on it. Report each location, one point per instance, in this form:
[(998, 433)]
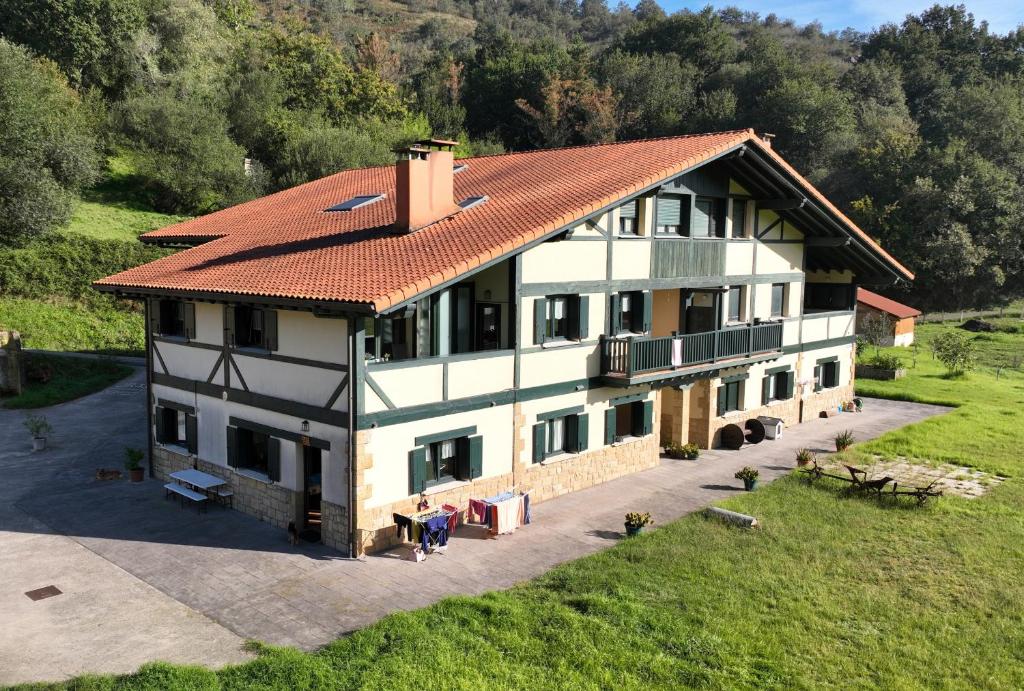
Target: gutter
[(351, 434)]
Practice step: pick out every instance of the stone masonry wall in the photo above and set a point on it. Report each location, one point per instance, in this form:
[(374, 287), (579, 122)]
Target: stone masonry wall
[(376, 526), (266, 501), (334, 526)]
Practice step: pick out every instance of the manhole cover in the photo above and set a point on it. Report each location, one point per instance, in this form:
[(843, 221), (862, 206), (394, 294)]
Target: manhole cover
[(43, 593)]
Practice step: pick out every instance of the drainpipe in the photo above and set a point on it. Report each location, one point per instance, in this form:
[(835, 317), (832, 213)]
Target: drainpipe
[(149, 386), (352, 379)]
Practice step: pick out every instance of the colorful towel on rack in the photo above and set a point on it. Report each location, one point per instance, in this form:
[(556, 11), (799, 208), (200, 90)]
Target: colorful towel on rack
[(477, 510), (453, 519)]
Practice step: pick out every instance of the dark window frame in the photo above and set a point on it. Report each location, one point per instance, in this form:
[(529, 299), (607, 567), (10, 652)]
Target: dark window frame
[(250, 327), (172, 318), (253, 450), (733, 404), (434, 461), (739, 229), (557, 329), (739, 291), (716, 218), (781, 311)]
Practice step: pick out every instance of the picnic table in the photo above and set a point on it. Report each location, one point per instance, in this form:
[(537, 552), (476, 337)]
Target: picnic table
[(190, 480)]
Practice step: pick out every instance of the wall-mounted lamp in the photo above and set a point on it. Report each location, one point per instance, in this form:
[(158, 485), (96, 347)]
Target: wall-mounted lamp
[(487, 294), (305, 425)]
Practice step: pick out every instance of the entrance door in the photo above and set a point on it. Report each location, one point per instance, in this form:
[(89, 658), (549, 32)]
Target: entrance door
[(312, 483), (700, 313)]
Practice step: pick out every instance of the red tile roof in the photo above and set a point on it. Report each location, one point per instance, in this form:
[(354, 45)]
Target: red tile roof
[(286, 246), (884, 304)]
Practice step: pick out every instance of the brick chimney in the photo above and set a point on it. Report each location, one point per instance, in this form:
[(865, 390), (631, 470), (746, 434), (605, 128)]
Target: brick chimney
[(424, 192)]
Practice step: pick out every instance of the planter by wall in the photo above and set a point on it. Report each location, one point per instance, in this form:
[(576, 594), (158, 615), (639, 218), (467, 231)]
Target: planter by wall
[(869, 372), (38, 443)]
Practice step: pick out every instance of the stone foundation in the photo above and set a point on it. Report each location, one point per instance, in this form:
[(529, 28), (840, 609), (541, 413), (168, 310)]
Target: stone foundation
[(828, 399), (266, 501), (334, 526)]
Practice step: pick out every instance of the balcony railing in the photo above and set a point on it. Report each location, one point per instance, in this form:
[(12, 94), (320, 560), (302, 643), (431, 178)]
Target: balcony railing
[(633, 355)]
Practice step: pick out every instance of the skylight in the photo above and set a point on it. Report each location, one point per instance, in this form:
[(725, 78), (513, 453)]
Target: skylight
[(459, 167), (356, 202), (470, 202)]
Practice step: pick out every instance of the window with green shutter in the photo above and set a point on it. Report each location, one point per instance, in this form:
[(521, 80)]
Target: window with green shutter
[(539, 441), (729, 397), (826, 374), (171, 318), (610, 416), (777, 385), (561, 317), (256, 451), (417, 470), (192, 434)]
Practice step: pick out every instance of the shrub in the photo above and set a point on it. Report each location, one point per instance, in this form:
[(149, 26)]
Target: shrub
[(886, 361), (956, 351), (844, 440), (805, 456), (133, 458), (682, 451)]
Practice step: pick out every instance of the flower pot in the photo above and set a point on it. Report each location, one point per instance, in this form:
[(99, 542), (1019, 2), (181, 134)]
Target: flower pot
[(137, 474), (750, 485), (38, 443), (632, 530)]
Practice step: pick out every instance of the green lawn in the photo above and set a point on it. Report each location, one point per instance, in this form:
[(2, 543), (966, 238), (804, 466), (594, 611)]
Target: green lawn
[(63, 324), (831, 591), (115, 210), (68, 378)]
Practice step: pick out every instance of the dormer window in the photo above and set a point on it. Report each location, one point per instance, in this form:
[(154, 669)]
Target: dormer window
[(628, 218)]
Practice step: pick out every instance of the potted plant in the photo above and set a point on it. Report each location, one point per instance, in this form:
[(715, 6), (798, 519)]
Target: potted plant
[(689, 452), (635, 522), (844, 440), (133, 463), (749, 476), (38, 426), (804, 457)]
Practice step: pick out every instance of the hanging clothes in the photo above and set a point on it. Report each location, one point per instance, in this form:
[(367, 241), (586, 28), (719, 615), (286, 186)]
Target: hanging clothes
[(478, 510), (404, 524), (434, 532)]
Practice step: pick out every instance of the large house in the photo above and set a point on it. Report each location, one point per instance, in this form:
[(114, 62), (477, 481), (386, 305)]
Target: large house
[(544, 320)]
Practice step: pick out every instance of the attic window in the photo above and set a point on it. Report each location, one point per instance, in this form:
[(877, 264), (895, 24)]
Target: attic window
[(470, 202), (459, 167), (356, 202)]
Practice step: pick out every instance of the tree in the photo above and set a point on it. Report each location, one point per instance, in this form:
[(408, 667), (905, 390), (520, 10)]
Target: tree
[(48, 151), (572, 111), (876, 328), (655, 93), (955, 351), (182, 153), (91, 40)]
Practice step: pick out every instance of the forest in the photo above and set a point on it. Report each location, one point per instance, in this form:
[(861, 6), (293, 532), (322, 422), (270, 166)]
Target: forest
[(182, 107)]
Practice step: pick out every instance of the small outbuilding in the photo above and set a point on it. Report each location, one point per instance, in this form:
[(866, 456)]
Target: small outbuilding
[(902, 317)]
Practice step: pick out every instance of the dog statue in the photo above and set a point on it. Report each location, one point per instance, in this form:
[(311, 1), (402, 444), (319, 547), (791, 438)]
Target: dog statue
[(293, 534)]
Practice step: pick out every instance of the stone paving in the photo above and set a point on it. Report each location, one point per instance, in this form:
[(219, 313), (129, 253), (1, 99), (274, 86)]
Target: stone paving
[(204, 582)]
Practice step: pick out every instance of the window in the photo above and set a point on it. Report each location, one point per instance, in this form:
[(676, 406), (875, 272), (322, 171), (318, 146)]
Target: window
[(555, 433), (563, 431), (249, 325), (826, 375), (628, 218), (172, 426), (560, 318), (253, 450), (778, 299), (445, 457), (829, 296), (671, 217), (777, 386), (631, 312), (739, 218), (172, 318), (626, 312), (488, 326), (356, 202), (734, 304), (707, 218), (557, 318), (729, 394), (442, 462), (631, 419)]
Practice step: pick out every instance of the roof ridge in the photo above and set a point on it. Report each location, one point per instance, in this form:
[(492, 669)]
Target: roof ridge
[(641, 140)]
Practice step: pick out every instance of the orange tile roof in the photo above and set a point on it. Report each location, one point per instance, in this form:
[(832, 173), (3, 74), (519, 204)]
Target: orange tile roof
[(884, 304), (286, 246)]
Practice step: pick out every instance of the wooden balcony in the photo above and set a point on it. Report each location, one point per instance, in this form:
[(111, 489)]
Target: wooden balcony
[(628, 360)]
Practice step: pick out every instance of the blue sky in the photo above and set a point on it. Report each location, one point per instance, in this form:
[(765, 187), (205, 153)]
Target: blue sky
[(1002, 15)]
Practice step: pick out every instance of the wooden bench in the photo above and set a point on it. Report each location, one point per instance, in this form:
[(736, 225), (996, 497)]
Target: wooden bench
[(185, 492)]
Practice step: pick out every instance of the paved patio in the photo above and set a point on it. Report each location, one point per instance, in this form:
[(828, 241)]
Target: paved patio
[(202, 584)]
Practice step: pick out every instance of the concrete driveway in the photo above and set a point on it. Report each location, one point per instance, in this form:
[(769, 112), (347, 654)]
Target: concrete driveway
[(142, 579)]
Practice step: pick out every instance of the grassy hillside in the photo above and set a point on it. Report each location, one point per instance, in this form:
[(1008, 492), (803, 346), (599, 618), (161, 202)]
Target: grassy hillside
[(831, 590)]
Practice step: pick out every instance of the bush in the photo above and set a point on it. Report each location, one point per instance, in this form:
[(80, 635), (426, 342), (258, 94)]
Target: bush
[(747, 474), (67, 266), (682, 451), (955, 351), (805, 457), (47, 148), (886, 361)]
